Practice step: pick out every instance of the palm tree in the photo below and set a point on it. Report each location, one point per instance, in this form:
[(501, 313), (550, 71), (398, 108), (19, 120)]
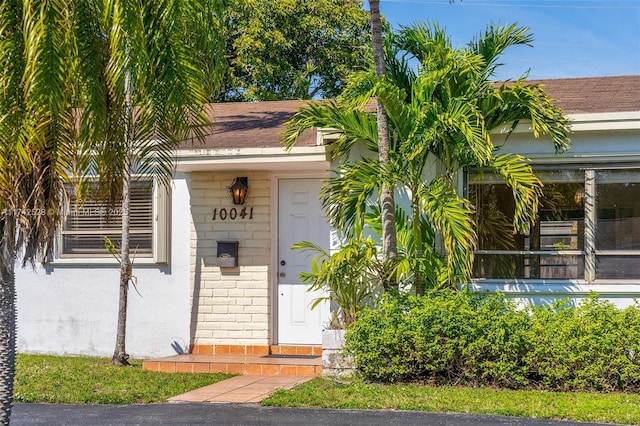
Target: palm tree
[(440, 118), (36, 152), (389, 243), (149, 68), (66, 67)]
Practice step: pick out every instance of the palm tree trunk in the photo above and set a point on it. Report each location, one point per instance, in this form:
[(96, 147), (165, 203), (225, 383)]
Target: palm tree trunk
[(120, 355), (389, 244), (7, 337), (417, 240)]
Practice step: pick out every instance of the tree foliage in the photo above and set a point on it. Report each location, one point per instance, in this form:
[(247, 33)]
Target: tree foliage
[(35, 142), (348, 278), (440, 117), (146, 73), (293, 49), (79, 80)]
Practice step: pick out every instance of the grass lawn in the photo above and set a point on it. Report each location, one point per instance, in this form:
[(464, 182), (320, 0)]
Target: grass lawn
[(577, 406), (82, 380)]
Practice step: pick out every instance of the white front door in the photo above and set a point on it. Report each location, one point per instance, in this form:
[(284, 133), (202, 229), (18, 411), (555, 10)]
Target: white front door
[(300, 219)]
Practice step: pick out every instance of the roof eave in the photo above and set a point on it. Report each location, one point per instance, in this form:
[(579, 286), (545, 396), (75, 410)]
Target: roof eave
[(602, 121), (274, 159)]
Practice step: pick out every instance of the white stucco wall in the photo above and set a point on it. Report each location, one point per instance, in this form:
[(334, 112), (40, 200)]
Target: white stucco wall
[(620, 295), (72, 309), (594, 137)]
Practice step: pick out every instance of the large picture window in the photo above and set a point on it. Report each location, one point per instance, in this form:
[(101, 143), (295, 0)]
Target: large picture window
[(86, 224), (617, 233), (588, 227)]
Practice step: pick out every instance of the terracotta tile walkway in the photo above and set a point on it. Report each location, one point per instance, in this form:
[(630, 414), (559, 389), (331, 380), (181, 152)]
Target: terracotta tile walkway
[(241, 389)]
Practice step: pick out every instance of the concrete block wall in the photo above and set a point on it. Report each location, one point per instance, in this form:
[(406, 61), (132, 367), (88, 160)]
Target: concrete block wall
[(230, 306)]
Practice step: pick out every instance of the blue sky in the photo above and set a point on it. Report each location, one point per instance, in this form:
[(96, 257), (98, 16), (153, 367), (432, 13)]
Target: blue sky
[(573, 38)]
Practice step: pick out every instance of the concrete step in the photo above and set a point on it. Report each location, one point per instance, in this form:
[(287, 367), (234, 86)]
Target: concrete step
[(306, 361)]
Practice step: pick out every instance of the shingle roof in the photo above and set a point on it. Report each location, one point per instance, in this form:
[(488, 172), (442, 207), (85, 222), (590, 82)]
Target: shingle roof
[(258, 124), (594, 94), (251, 125)]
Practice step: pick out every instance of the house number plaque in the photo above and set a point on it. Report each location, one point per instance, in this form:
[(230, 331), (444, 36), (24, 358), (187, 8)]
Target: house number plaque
[(232, 213)]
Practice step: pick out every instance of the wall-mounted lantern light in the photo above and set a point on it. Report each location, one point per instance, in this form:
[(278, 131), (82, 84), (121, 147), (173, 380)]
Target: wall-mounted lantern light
[(239, 189)]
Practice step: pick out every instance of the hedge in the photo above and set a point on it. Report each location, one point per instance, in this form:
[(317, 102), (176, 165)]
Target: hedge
[(486, 340)]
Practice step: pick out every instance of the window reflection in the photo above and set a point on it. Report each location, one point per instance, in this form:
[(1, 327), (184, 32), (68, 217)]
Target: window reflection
[(559, 228), (617, 223), (554, 247), (528, 266)]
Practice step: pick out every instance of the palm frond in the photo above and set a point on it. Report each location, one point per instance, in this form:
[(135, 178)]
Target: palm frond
[(465, 123), (527, 188), (495, 40), (358, 89), (150, 85), (427, 42), (349, 277), (451, 215), (518, 101), (442, 115), (353, 124), (346, 197), (404, 228)]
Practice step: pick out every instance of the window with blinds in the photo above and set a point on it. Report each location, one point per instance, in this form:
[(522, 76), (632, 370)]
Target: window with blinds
[(86, 224)]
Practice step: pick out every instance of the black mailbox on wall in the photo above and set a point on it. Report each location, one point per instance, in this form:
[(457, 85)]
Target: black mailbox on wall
[(227, 254)]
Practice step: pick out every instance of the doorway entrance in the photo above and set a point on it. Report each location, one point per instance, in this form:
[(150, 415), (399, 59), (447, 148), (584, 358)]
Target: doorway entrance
[(300, 219)]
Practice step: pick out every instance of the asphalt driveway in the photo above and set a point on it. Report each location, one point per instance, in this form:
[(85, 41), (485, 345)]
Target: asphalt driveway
[(246, 414)]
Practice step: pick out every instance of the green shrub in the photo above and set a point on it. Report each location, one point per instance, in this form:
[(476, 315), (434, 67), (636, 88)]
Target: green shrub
[(485, 340), (348, 278), (445, 336), (495, 353), (593, 346)]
